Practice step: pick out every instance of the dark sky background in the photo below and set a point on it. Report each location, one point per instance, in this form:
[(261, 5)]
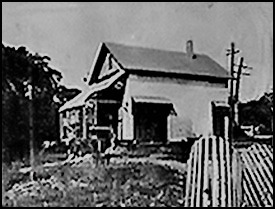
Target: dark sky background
[(70, 32)]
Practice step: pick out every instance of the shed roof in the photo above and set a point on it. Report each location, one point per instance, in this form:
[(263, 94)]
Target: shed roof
[(81, 98), (151, 99), (77, 101), (149, 59)]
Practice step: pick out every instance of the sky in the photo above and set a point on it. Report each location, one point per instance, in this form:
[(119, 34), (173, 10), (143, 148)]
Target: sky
[(70, 32)]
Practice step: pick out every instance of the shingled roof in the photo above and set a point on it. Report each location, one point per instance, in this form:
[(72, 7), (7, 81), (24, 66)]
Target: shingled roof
[(156, 60)]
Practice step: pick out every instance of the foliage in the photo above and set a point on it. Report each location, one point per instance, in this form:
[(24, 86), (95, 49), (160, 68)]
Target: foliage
[(28, 77), (258, 113)]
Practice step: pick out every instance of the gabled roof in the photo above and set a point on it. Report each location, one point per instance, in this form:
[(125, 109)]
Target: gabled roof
[(156, 60)]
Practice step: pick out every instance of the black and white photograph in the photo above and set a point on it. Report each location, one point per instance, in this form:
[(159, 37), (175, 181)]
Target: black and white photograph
[(137, 104)]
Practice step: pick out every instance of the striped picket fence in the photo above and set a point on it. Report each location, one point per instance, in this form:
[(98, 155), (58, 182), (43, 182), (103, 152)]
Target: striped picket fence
[(213, 175), (258, 175)]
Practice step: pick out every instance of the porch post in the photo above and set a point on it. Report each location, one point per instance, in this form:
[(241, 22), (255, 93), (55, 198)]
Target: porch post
[(95, 112), (61, 125), (95, 124), (84, 122)]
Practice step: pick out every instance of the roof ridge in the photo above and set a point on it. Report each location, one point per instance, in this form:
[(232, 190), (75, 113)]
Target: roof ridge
[(162, 60), (145, 47)]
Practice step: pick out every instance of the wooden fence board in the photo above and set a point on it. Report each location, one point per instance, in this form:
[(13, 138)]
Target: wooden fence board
[(210, 175), (217, 179), (258, 175)]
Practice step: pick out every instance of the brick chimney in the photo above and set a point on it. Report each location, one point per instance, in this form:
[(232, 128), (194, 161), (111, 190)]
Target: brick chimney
[(189, 49)]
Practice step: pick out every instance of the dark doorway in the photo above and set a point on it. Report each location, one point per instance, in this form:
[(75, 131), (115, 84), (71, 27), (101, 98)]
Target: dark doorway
[(220, 110), (150, 122), (108, 115)]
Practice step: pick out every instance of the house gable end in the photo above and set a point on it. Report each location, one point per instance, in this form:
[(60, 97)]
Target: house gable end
[(104, 66), (98, 62)]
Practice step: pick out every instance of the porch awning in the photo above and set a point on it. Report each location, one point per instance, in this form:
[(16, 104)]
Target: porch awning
[(151, 99), (80, 99), (155, 100), (77, 101)]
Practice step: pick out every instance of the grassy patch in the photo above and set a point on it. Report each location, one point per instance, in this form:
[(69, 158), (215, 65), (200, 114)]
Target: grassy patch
[(125, 184)]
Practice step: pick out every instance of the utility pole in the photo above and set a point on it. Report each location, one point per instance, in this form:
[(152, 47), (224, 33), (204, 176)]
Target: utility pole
[(232, 59), (31, 126), (231, 52), (241, 66), (234, 89), (233, 99), (239, 72), (236, 99)]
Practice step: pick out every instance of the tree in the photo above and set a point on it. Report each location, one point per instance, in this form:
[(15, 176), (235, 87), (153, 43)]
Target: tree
[(28, 75), (258, 113)]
